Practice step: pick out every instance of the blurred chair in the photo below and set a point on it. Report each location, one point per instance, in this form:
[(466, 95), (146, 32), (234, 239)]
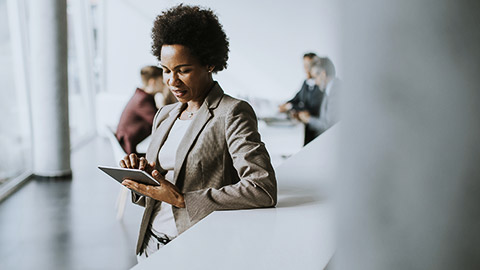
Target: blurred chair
[(118, 154)]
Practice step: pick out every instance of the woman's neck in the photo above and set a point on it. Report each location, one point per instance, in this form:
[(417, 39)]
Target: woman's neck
[(194, 105)]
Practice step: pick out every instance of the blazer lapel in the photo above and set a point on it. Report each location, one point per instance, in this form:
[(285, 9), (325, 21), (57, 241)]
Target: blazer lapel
[(201, 119), (160, 135)]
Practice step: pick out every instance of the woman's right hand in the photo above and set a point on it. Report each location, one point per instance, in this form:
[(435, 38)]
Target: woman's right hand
[(133, 162)]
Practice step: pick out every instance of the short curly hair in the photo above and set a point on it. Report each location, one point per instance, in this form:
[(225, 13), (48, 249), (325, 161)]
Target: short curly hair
[(196, 28)]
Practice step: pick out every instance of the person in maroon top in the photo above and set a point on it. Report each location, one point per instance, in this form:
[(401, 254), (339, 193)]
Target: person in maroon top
[(136, 120)]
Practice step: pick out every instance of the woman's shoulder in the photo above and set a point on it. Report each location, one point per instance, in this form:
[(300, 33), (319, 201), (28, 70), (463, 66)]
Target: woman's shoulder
[(228, 100), (231, 108), (224, 104), (230, 103)]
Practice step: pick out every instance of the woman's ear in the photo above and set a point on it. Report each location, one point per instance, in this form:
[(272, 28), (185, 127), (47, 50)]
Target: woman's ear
[(210, 69)]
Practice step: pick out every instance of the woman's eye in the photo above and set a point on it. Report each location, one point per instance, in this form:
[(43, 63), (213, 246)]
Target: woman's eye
[(166, 71), (184, 70)]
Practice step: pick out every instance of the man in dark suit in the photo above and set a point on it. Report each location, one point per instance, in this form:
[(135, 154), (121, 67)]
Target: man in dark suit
[(308, 99)]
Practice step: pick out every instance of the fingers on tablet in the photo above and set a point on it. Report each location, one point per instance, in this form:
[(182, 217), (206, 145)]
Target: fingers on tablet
[(126, 159), (133, 160), (142, 163)]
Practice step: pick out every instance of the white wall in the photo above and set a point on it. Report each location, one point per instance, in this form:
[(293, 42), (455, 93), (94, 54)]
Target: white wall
[(267, 42)]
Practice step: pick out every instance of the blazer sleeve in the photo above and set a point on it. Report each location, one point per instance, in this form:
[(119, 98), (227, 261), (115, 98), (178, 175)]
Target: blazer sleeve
[(138, 199), (257, 186)]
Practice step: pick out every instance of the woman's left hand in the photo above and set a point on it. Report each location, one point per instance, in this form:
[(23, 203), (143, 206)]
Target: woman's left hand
[(166, 191)]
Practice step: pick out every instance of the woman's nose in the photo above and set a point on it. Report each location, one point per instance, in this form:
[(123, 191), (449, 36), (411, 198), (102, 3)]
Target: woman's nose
[(173, 80)]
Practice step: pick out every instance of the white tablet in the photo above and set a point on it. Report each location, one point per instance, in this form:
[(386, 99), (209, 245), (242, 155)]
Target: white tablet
[(121, 174)]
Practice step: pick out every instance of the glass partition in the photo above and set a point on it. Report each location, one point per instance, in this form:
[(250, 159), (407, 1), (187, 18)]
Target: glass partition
[(15, 135), (15, 125)]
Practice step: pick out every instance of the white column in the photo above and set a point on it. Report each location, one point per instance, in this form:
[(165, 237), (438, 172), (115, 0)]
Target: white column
[(49, 87), (410, 187)]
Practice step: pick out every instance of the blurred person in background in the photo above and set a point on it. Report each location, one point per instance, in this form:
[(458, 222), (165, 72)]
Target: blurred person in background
[(308, 99), (206, 151), (136, 120), (323, 71), (164, 97)]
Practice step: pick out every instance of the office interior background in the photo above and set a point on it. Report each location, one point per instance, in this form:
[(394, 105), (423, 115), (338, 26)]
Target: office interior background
[(109, 42), (407, 176)]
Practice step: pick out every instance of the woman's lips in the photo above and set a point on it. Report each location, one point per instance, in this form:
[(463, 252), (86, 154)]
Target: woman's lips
[(179, 93)]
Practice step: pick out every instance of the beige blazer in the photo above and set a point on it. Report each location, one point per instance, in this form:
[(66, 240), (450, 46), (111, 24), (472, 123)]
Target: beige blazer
[(221, 163)]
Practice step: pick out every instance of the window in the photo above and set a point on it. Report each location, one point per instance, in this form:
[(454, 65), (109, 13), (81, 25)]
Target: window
[(15, 134)]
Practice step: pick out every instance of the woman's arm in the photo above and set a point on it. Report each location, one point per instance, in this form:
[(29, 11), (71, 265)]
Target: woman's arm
[(257, 186)]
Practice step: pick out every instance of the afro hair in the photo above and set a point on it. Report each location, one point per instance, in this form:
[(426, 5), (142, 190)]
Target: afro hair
[(196, 28)]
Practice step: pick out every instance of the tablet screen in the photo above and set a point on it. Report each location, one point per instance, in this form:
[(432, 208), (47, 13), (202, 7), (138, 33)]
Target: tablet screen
[(121, 174)]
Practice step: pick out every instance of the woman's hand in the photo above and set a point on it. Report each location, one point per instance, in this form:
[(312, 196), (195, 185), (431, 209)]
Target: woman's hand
[(166, 192), (133, 162)]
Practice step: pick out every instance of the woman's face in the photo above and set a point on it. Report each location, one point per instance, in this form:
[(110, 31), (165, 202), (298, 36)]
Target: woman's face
[(186, 78)]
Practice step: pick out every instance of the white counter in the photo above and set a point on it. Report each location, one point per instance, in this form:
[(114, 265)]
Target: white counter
[(282, 139), (297, 234)]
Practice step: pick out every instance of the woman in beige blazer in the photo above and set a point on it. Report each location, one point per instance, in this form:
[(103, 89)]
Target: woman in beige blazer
[(206, 150)]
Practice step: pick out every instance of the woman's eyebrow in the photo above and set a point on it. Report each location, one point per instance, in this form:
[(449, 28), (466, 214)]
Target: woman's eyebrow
[(178, 66)]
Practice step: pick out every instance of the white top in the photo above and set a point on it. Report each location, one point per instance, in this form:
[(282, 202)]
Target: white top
[(163, 220)]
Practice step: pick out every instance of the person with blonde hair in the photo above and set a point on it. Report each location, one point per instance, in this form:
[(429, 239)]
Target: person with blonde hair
[(136, 120)]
